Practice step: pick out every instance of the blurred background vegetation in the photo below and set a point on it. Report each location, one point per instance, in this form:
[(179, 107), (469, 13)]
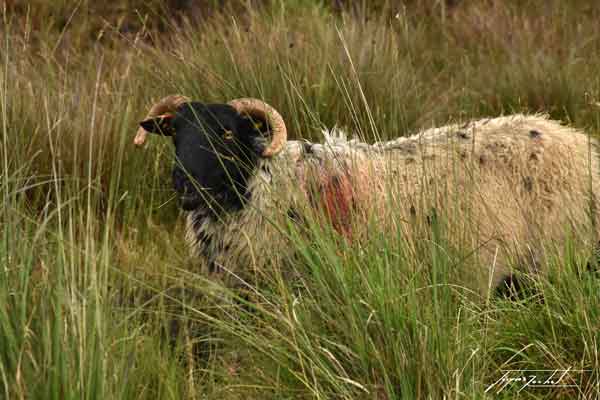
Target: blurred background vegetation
[(98, 296)]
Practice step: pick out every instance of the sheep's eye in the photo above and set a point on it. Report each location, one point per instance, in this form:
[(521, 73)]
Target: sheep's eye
[(228, 135), (164, 124)]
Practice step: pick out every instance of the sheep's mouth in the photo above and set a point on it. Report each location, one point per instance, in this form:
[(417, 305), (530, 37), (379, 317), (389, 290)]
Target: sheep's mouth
[(202, 198), (189, 202), (215, 193)]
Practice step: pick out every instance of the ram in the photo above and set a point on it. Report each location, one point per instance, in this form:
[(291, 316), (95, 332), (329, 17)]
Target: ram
[(508, 187)]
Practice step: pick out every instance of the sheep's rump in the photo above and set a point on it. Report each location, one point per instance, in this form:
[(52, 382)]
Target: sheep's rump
[(505, 187)]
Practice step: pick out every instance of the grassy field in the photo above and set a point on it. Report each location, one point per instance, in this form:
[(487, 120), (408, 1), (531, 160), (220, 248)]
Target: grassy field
[(99, 298)]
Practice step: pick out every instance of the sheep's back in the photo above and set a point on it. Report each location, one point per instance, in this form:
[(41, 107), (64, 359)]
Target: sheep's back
[(508, 188)]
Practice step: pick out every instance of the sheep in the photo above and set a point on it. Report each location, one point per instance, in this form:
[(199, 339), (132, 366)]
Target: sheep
[(508, 185)]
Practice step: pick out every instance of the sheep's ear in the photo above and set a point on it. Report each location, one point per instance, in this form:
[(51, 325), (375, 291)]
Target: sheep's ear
[(162, 125)]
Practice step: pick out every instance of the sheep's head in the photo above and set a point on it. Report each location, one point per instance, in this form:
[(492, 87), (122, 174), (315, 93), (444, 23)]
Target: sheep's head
[(217, 146)]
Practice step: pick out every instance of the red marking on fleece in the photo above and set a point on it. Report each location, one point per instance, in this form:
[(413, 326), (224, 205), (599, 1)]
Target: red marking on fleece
[(337, 198)]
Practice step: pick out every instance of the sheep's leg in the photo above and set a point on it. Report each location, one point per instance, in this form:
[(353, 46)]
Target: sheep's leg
[(513, 287), (510, 288), (593, 264)]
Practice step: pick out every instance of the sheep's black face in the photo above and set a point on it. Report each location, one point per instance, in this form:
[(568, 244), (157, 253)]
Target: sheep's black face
[(216, 151)]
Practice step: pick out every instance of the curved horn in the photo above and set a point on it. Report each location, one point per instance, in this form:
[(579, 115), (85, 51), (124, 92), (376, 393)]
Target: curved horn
[(260, 109), (166, 105)]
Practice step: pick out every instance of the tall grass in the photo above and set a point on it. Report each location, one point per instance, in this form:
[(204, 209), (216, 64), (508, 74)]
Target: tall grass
[(98, 297)]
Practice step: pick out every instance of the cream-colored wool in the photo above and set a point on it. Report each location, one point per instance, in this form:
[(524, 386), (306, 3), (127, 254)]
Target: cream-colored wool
[(503, 185)]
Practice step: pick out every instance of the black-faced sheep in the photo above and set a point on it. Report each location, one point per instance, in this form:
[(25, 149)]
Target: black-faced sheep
[(506, 185)]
